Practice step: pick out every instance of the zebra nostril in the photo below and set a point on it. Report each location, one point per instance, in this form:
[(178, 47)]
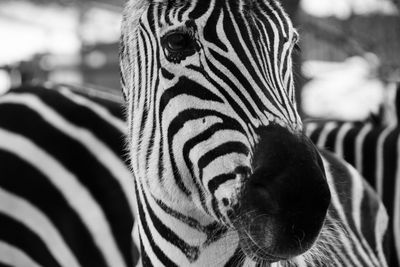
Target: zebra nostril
[(243, 171), (225, 201)]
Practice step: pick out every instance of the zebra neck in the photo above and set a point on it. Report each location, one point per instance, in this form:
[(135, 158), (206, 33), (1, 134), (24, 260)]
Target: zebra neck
[(169, 238)]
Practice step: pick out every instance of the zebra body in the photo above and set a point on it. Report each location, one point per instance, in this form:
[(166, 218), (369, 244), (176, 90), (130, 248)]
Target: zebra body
[(66, 193), (223, 174), (374, 151)]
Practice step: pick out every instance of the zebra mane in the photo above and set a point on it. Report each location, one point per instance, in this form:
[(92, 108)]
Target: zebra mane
[(130, 21)]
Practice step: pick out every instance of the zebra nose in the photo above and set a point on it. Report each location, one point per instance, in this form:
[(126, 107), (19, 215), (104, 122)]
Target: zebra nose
[(287, 194)]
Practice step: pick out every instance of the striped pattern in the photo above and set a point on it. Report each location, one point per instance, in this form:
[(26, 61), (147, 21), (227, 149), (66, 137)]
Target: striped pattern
[(391, 106), (194, 110), (66, 194), (374, 151)]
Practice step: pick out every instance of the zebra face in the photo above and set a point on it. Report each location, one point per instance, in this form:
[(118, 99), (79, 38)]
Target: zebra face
[(214, 130)]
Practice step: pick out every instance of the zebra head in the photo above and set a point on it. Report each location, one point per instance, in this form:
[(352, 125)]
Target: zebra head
[(215, 137)]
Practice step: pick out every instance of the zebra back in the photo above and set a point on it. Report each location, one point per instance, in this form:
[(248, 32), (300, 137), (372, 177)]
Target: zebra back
[(65, 189)]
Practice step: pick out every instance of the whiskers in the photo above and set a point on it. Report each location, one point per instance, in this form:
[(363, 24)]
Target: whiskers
[(245, 238), (322, 252), (249, 243)]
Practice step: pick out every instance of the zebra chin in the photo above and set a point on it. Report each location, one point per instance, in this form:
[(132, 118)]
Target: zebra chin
[(284, 202)]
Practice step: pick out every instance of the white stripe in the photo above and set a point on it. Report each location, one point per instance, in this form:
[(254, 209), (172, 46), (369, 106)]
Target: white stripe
[(124, 178), (143, 237), (357, 196), (185, 230), (88, 89), (98, 149), (342, 215), (328, 127), (381, 226), (244, 70), (389, 105), (170, 250), (339, 141), (21, 210), (396, 205), (379, 160), (220, 252), (96, 108), (300, 261), (135, 234), (359, 146), (310, 128), (340, 251), (74, 192), (13, 256)]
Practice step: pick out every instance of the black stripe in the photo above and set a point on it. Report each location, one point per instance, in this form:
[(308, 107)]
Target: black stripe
[(166, 74), (145, 226), (80, 116), (188, 87), (218, 180), (146, 262), (316, 133), (234, 87), (342, 183), (114, 106), (228, 124), (338, 246), (176, 124), (390, 161), (183, 9), (245, 31), (331, 139), (18, 235), (369, 209), (240, 52), (236, 258), (105, 188), (191, 252), (210, 30), (369, 154), (349, 144), (246, 86), (200, 9), (40, 192), (224, 149), (369, 158), (187, 220)]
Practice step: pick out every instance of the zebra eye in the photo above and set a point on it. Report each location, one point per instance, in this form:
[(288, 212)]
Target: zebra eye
[(178, 42), (178, 45)]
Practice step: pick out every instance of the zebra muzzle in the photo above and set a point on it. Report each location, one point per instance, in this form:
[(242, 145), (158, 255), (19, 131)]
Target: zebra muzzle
[(284, 202)]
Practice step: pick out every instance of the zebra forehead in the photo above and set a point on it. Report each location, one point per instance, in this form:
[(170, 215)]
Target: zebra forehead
[(247, 4), (134, 8)]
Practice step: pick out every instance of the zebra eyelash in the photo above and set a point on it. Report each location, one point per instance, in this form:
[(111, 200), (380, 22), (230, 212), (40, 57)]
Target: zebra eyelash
[(189, 40), (184, 29)]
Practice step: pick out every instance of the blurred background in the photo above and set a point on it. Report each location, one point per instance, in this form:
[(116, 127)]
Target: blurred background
[(349, 60)]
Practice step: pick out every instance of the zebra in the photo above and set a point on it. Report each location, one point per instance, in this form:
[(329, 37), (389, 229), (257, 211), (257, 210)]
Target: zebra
[(66, 191), (372, 147), (223, 174)]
